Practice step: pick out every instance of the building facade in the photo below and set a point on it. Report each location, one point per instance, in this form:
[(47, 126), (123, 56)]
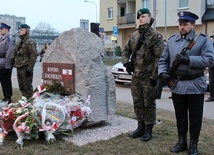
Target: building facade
[(122, 15), (14, 22)]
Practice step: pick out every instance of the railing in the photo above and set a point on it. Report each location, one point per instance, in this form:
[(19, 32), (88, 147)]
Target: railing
[(127, 19)]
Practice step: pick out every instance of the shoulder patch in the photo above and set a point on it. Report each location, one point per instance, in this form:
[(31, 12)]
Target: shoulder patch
[(31, 42), (159, 36)]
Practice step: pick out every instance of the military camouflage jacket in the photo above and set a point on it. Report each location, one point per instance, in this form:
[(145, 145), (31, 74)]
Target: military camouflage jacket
[(25, 53), (146, 64)]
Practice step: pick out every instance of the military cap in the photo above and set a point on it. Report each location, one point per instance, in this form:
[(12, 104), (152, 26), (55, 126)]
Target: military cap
[(187, 16), (212, 36), (24, 26), (3, 25), (142, 11)]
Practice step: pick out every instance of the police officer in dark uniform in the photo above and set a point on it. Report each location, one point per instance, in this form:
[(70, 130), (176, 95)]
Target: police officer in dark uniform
[(6, 49), (189, 79), (24, 57)]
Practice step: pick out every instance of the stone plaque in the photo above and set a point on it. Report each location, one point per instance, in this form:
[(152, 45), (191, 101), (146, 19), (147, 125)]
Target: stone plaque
[(60, 72)]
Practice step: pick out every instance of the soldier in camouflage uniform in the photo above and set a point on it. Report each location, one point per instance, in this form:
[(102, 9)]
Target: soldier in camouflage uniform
[(24, 58), (6, 49), (145, 73)]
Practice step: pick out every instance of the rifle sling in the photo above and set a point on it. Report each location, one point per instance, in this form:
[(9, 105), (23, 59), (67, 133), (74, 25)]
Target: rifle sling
[(138, 45)]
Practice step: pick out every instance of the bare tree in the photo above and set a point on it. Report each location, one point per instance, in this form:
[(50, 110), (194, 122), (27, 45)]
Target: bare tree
[(44, 29)]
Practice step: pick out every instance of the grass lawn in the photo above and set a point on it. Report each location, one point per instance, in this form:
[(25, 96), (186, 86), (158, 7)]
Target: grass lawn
[(164, 137), (110, 61)]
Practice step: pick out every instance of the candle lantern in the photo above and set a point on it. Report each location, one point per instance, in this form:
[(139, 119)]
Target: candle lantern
[(1, 136)]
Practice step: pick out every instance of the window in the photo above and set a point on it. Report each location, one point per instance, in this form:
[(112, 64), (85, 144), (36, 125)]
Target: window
[(183, 3), (110, 13), (122, 11), (146, 4)]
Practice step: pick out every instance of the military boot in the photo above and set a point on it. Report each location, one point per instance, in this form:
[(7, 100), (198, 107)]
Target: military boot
[(193, 147), (9, 100), (181, 145), (148, 133), (139, 131)]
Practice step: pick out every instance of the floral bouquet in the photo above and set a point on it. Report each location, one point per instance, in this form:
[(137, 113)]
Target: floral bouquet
[(49, 113)]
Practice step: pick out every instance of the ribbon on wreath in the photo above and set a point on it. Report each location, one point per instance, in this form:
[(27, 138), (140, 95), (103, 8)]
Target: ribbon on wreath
[(40, 90)]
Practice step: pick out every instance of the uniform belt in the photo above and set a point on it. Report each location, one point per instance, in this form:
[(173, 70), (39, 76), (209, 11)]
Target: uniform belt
[(189, 77)]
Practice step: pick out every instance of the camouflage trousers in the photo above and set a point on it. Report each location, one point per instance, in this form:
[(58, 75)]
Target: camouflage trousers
[(25, 83), (144, 99)]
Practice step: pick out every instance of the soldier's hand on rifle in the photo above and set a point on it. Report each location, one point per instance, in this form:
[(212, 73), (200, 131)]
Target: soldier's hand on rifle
[(129, 67), (182, 59), (165, 77)]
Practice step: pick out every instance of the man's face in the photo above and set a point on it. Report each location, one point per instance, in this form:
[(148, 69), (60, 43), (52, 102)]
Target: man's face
[(144, 19), (22, 31), (186, 27), (3, 31)]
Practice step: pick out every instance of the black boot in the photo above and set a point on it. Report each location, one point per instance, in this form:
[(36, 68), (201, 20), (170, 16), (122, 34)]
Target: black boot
[(193, 147), (148, 133), (181, 145), (139, 131), (9, 100)]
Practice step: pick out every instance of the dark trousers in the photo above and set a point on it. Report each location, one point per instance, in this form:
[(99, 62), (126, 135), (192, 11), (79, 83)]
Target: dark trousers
[(6, 83), (211, 81), (189, 108)]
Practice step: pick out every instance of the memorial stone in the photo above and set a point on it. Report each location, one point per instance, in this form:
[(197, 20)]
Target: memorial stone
[(85, 50)]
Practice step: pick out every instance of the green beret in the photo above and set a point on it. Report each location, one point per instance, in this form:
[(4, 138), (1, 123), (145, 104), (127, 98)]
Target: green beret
[(24, 26), (142, 11)]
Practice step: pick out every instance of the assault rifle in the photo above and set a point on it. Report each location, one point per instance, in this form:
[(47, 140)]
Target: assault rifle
[(175, 63)]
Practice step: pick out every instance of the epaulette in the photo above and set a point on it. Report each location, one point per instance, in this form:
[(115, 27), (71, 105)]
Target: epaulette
[(204, 35), (172, 36), (31, 41)]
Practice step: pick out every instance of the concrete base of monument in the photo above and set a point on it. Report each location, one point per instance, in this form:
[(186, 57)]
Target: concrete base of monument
[(115, 126)]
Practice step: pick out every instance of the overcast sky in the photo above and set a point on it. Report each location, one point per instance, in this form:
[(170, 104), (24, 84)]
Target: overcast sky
[(60, 14)]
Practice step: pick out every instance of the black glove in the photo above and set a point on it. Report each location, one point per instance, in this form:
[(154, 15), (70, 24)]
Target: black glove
[(129, 67), (12, 62), (28, 74), (165, 77), (182, 59), (153, 82)]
